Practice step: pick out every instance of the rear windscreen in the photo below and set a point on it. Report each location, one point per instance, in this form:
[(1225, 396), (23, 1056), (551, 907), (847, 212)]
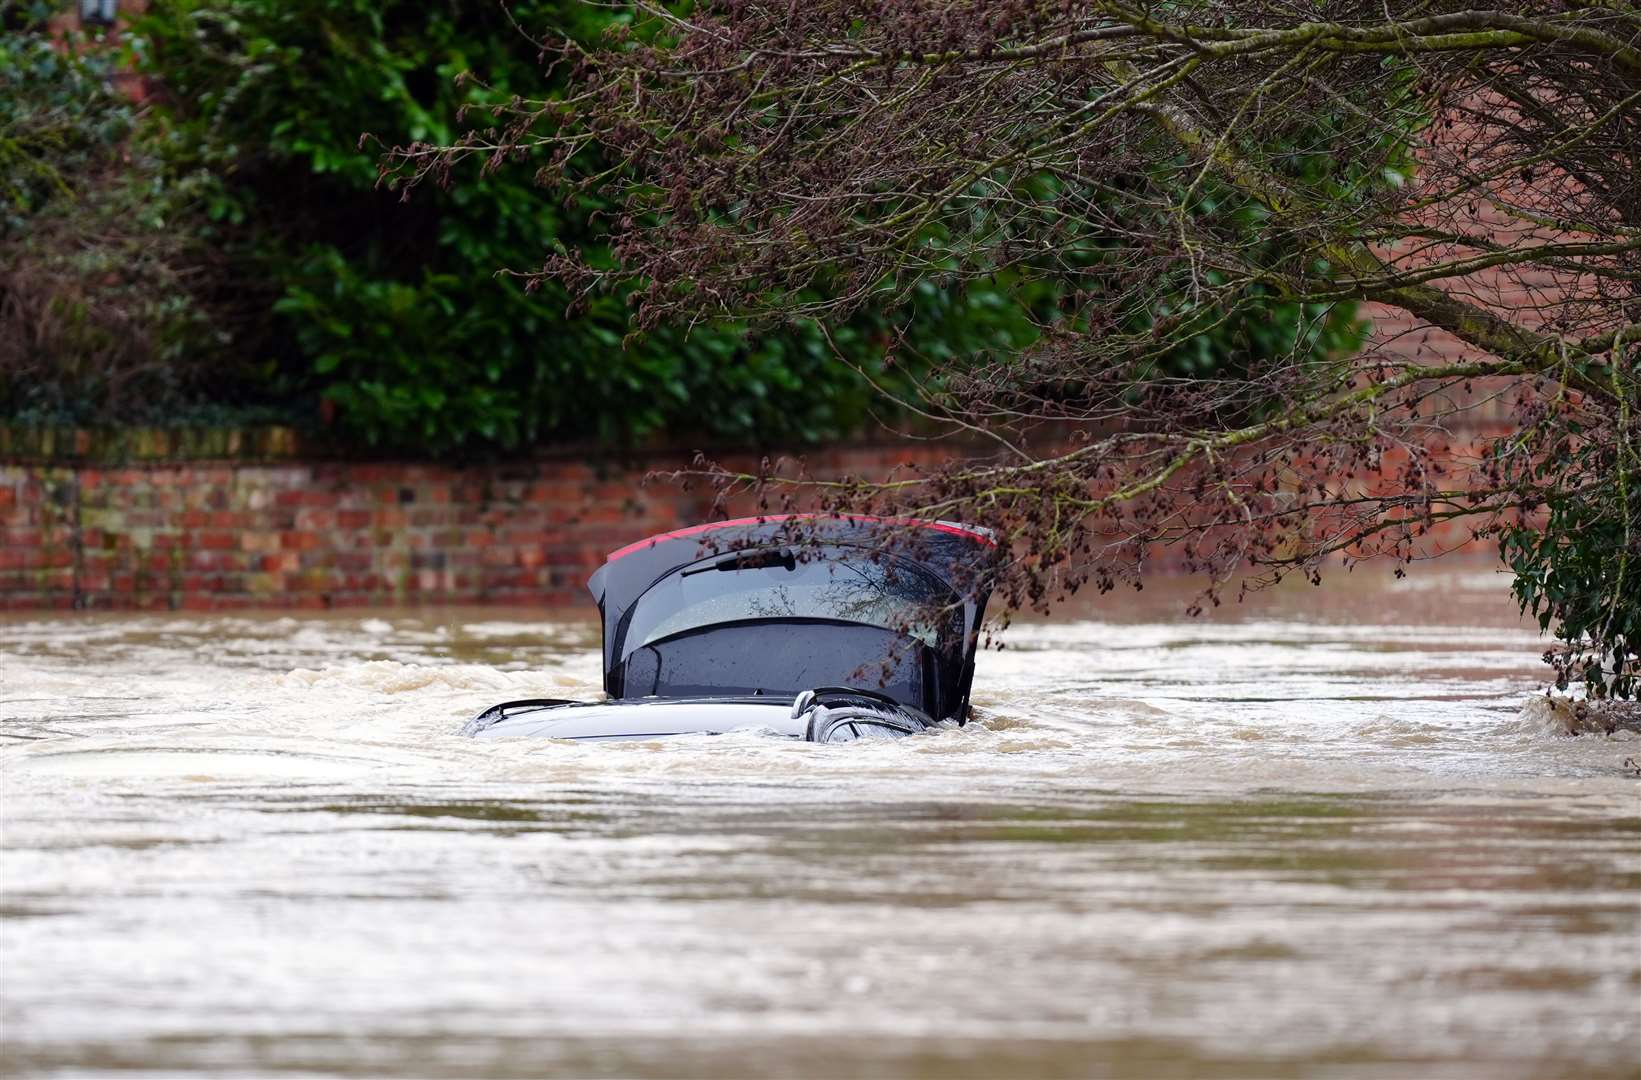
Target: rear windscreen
[(771, 584)]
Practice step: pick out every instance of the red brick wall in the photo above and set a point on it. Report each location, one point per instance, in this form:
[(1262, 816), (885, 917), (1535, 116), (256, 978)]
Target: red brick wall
[(68, 26), (306, 534), (207, 536)]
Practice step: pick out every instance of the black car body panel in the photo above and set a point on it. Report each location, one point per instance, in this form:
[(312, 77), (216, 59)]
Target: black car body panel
[(867, 627)]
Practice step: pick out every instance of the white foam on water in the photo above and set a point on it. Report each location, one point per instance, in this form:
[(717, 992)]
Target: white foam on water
[(397, 677)]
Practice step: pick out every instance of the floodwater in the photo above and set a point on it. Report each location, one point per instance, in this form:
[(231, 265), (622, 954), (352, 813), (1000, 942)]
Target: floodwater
[(1327, 833)]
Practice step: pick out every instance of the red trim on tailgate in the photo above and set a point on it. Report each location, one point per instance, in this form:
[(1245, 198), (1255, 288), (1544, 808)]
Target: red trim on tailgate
[(693, 530)]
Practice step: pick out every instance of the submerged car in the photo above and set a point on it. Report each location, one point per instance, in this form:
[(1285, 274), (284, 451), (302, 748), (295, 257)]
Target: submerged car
[(817, 627)]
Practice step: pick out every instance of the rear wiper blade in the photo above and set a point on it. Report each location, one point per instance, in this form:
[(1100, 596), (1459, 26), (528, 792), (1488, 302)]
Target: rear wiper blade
[(767, 559)]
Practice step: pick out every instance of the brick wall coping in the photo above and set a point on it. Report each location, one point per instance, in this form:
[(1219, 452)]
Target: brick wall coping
[(275, 444), (27, 445)]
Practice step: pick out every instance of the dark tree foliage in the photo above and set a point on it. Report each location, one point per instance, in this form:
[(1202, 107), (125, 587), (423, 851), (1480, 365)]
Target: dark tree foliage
[(394, 311), (1176, 169), (227, 253), (101, 266)]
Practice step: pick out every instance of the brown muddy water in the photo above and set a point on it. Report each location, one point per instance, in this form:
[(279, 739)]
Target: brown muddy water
[(1328, 833)]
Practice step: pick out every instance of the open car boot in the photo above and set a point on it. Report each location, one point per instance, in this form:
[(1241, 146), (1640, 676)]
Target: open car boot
[(830, 629)]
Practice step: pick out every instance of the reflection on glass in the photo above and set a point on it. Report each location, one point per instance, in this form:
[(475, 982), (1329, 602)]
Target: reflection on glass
[(856, 729), (884, 592), (841, 733)]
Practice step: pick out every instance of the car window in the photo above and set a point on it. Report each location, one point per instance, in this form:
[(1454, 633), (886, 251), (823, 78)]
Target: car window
[(857, 730), (883, 592)]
